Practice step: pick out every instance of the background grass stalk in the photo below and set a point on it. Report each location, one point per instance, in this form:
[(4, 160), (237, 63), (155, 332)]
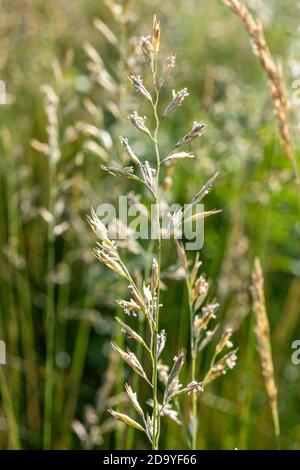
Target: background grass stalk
[(50, 315), (193, 367), (139, 349), (51, 103), (13, 434), (156, 415)]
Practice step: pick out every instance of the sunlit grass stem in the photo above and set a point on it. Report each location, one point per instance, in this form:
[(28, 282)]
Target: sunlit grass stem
[(156, 416), (193, 366)]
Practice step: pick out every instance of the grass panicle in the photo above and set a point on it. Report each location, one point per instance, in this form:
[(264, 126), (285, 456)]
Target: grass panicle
[(262, 330), (274, 73), (146, 301)]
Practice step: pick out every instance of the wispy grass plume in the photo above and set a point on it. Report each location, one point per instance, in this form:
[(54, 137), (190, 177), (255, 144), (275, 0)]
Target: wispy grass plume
[(262, 331), (274, 73)]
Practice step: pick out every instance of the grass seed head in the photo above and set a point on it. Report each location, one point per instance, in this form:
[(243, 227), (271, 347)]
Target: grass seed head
[(262, 330), (155, 35)]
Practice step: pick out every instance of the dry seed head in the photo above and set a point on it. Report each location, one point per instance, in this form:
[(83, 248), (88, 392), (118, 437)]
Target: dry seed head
[(108, 255), (172, 389), (139, 122), (148, 294), (98, 227), (109, 250), (140, 88), (175, 218), (127, 172), (224, 341), (155, 34), (169, 412), (51, 108), (134, 400), (274, 73), (168, 65), (205, 189), (211, 308), (221, 367), (126, 419), (200, 288), (140, 301), (147, 50), (178, 363), (138, 298), (193, 134), (131, 333), (192, 386), (112, 264), (204, 215), (129, 151), (161, 342), (131, 359), (130, 308), (177, 100), (148, 176), (262, 331), (200, 323), (177, 156), (151, 301), (149, 427)]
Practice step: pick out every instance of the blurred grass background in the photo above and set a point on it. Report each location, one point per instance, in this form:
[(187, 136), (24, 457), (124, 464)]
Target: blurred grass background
[(43, 42)]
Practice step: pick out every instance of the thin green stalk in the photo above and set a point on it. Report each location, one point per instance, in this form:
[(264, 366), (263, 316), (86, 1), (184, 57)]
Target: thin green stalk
[(12, 309), (135, 381), (62, 302), (154, 383), (194, 359), (123, 69), (120, 370), (51, 107), (139, 349), (156, 415), (50, 315), (248, 389), (14, 442), (79, 356), (194, 407), (28, 346)]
